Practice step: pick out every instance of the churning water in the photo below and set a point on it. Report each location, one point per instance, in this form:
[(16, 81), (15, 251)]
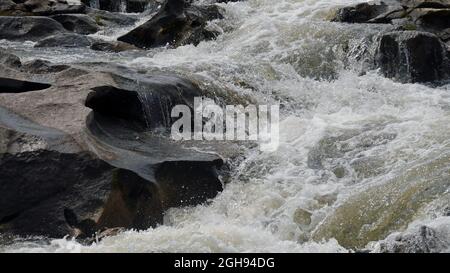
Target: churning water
[(361, 156)]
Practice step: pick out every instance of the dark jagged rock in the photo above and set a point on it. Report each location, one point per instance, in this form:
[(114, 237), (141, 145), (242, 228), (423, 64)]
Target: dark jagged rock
[(65, 40), (30, 28), (78, 23), (177, 23), (412, 56), (433, 20), (38, 186)]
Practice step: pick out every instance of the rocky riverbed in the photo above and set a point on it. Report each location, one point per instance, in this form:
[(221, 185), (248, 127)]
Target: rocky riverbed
[(86, 158)]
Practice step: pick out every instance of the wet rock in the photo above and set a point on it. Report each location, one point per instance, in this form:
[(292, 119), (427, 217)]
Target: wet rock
[(65, 40), (176, 23), (423, 240), (433, 20), (105, 18), (131, 175), (381, 209), (9, 59), (78, 23), (42, 67), (302, 217), (360, 13), (30, 28), (426, 3), (114, 46), (412, 56)]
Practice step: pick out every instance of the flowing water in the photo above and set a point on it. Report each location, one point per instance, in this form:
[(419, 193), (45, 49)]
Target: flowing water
[(361, 156)]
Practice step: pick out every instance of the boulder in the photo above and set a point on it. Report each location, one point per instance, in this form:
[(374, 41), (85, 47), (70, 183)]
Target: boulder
[(78, 23), (39, 186), (434, 20), (32, 28), (39, 7), (69, 169), (412, 56), (176, 23)]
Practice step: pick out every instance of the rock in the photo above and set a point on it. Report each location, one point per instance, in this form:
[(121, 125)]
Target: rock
[(9, 59), (302, 217), (105, 18), (425, 3), (422, 240), (42, 67), (412, 56), (65, 40), (360, 13), (78, 23), (6, 6), (434, 20), (30, 28), (37, 187), (114, 46), (175, 24), (375, 212), (39, 8), (90, 171)]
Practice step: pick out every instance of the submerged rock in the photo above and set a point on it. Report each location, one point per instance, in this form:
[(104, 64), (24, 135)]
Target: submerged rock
[(176, 23), (412, 56), (377, 211), (65, 40)]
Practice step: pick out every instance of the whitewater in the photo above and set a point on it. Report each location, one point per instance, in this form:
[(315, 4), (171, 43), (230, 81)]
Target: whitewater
[(361, 157)]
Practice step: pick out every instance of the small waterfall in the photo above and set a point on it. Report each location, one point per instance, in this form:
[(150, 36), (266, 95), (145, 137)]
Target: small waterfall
[(94, 4), (146, 109), (123, 6), (155, 108)]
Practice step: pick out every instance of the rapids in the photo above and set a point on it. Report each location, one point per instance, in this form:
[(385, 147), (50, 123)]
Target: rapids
[(360, 158)]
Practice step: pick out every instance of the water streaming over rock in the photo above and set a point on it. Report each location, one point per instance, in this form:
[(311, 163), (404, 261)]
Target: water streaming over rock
[(361, 156)]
